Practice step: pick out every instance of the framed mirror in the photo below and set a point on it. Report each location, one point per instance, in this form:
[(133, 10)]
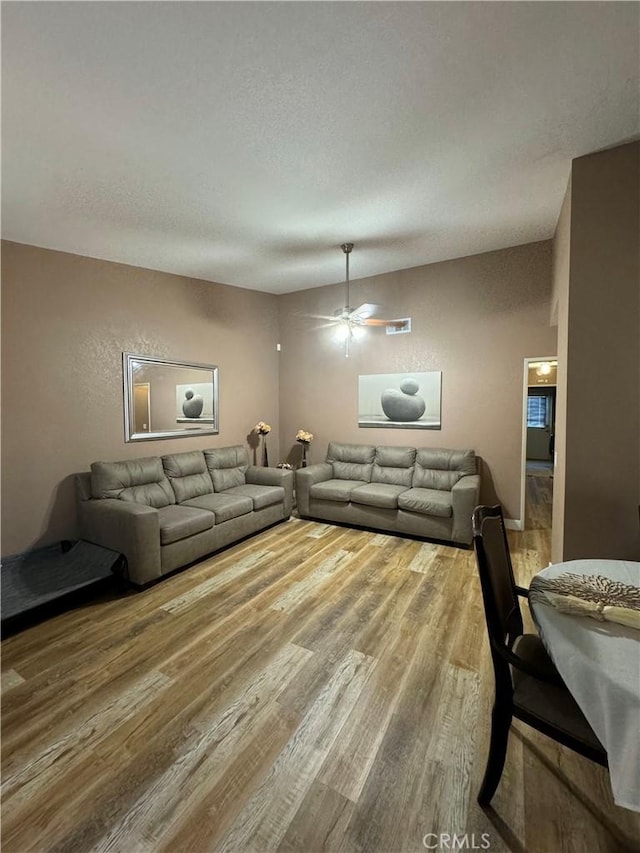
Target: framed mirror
[(168, 399)]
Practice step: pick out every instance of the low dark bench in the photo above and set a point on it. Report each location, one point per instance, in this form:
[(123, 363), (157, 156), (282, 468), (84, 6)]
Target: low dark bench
[(35, 579)]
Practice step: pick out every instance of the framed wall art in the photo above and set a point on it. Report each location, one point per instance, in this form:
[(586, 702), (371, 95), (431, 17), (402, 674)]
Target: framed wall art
[(400, 400)]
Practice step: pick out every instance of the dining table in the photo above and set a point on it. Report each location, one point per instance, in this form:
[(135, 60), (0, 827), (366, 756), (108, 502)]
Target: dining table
[(599, 662)]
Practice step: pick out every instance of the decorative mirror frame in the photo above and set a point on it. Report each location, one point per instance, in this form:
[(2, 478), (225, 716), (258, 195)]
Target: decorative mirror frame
[(185, 427)]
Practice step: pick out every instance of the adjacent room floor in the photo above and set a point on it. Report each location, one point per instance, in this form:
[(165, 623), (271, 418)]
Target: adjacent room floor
[(539, 496)]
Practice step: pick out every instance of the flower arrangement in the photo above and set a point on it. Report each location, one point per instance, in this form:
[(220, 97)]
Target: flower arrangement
[(263, 429), (304, 437)]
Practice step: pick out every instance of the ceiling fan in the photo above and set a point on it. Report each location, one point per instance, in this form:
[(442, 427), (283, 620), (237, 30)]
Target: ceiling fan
[(350, 320)]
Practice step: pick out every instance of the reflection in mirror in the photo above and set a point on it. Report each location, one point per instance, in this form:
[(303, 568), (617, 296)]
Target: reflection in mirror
[(142, 406), (168, 399)]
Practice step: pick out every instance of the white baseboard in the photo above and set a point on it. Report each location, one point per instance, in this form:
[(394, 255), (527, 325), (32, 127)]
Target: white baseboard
[(513, 524)]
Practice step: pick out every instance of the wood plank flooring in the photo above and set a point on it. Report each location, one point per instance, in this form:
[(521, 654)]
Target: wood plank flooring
[(538, 500), (316, 688)]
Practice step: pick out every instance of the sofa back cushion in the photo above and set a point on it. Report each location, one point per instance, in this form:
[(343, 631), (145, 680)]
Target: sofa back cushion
[(441, 469), (351, 461), (142, 481), (188, 475), (227, 466), (394, 466)]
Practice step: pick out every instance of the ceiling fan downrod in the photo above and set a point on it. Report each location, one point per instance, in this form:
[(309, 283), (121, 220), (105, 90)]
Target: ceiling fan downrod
[(346, 248)]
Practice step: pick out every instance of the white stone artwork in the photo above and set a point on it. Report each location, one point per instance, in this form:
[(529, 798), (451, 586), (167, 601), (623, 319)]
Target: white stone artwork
[(194, 402), (400, 400)]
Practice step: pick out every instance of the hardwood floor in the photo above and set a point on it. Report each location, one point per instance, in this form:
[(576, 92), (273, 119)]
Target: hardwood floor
[(538, 499), (313, 689)]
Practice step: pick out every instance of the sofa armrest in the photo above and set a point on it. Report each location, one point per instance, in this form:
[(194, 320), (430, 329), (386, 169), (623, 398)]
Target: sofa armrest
[(464, 498), (273, 477), (130, 528), (305, 478)]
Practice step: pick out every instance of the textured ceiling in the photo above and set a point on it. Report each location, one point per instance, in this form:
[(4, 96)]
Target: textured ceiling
[(244, 142)]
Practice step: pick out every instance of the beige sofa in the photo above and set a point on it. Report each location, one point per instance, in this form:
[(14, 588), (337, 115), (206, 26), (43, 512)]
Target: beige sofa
[(166, 512), (420, 491)]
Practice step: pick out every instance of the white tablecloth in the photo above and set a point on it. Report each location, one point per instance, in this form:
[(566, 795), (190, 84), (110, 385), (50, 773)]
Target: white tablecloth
[(600, 664)]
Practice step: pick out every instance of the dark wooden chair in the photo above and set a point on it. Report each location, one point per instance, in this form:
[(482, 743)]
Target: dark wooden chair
[(528, 686)]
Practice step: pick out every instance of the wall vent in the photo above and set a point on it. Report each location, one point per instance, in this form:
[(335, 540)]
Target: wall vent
[(399, 327)]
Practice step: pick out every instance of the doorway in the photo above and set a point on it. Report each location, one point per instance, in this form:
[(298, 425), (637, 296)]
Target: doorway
[(538, 439), (541, 416), (142, 406)]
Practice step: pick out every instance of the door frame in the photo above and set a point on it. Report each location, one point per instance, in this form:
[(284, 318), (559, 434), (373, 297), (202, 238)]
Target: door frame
[(147, 386), (519, 525)]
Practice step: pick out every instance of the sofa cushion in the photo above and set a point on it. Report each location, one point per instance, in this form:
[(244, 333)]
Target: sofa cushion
[(441, 469), (139, 480), (224, 507), (261, 496), (352, 471), (351, 461), (179, 522), (188, 475), (335, 490), (394, 465), (227, 478), (395, 457), (393, 476), (377, 494), (227, 466), (427, 502)]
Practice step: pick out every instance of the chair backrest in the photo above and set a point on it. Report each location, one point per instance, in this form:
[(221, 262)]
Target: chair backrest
[(502, 610)]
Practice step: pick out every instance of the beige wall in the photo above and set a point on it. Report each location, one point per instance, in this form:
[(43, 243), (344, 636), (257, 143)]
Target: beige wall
[(65, 322), (602, 441), (475, 319), (560, 314)]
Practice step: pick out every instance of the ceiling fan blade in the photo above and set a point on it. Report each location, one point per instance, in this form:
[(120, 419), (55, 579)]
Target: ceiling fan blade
[(374, 322), (332, 317), (365, 310), (378, 322)]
